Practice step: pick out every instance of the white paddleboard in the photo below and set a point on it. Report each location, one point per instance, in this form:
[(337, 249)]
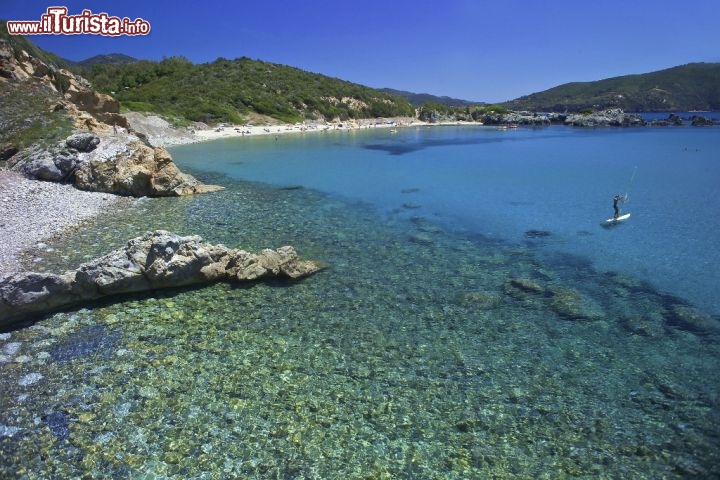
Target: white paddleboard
[(621, 218)]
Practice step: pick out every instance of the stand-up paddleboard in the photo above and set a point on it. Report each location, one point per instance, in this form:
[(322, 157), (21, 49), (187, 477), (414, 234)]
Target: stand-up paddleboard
[(614, 221)]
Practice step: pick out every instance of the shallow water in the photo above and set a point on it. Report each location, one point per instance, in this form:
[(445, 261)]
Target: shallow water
[(423, 351)]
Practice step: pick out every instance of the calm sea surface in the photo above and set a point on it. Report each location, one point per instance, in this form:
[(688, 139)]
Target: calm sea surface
[(475, 319), (502, 184)]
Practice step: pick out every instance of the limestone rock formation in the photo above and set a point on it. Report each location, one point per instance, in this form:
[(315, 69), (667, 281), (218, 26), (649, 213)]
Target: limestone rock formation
[(156, 260), (118, 163), (138, 170)]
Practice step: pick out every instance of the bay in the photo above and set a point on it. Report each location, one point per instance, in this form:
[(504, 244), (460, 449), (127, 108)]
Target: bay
[(503, 183), (472, 321)]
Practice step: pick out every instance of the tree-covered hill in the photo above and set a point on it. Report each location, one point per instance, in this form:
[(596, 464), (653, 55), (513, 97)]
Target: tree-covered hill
[(418, 99), (114, 58), (695, 86), (228, 90)]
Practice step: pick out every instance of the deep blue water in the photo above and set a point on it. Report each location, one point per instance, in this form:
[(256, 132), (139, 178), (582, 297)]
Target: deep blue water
[(502, 184)]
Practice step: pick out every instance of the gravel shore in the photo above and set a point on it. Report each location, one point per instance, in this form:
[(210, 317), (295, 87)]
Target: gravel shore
[(33, 212)]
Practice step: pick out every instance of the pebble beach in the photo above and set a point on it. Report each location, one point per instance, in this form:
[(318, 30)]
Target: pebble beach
[(33, 212)]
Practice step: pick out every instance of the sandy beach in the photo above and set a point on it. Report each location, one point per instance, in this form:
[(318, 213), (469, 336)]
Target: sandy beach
[(228, 130), (159, 132)]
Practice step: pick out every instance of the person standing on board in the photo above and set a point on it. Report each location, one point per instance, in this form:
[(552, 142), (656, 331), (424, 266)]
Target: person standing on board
[(616, 199)]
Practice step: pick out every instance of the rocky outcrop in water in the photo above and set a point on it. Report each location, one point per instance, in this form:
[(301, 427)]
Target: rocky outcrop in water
[(614, 117), (153, 261), (515, 118), (700, 121)]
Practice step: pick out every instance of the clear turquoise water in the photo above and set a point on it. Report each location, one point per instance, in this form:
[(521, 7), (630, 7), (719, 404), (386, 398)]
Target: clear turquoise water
[(500, 184), (440, 343)]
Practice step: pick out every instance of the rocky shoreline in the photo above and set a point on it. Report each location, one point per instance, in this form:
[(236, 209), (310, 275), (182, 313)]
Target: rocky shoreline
[(158, 132)]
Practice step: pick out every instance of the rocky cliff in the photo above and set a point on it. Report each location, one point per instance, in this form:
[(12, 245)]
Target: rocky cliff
[(153, 261), (103, 153)]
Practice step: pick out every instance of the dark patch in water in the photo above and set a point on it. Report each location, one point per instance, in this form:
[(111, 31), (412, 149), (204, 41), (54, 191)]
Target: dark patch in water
[(409, 190), (537, 234), (57, 422), (292, 187), (85, 341), (403, 148), (571, 262)]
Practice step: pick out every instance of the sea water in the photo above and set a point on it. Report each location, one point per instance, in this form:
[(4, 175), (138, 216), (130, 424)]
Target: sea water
[(504, 183), (470, 322)]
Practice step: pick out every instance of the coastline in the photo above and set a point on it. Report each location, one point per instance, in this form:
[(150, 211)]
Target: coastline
[(34, 212), (160, 133)]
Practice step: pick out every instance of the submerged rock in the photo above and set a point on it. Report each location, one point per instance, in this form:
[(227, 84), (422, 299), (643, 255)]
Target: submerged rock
[(421, 239), (566, 302), (481, 300), (58, 424), (521, 287), (537, 234), (689, 319), (86, 341), (642, 325), (572, 304), (156, 260)]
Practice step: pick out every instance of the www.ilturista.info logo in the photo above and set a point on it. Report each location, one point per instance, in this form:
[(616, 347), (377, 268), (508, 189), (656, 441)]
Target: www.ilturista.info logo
[(57, 22)]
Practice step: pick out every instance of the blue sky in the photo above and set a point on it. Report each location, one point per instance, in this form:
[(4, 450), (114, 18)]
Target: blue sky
[(477, 50)]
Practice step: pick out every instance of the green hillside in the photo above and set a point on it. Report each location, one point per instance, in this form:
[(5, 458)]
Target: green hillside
[(107, 58), (695, 86), (418, 99), (228, 90)]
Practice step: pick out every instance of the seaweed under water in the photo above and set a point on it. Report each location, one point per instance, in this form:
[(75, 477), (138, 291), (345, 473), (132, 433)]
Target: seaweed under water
[(419, 353)]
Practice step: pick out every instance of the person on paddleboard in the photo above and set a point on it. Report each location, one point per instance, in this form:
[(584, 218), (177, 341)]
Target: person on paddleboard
[(616, 199)]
